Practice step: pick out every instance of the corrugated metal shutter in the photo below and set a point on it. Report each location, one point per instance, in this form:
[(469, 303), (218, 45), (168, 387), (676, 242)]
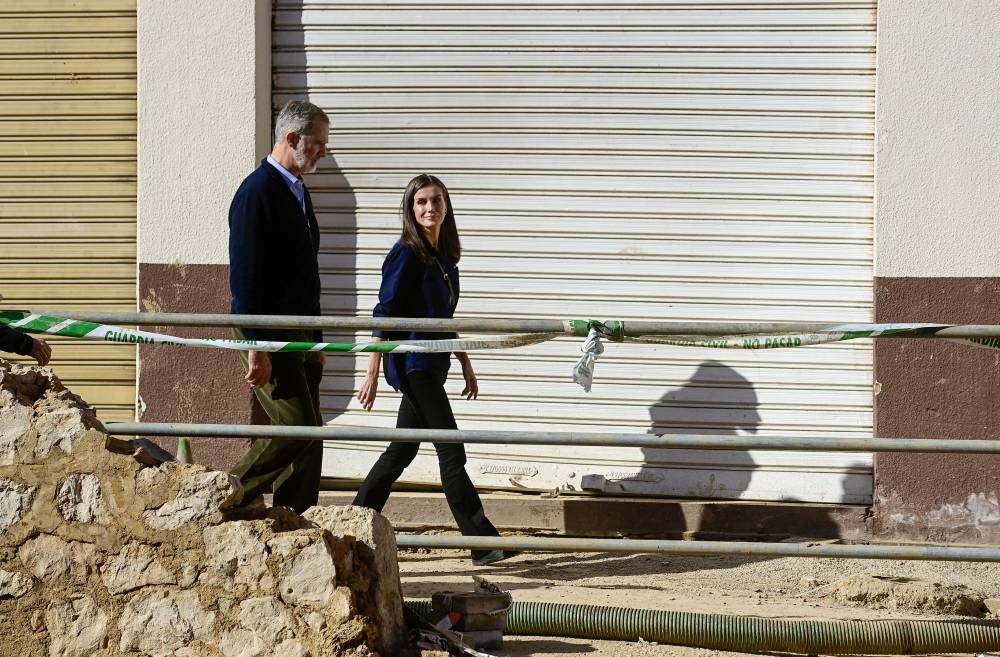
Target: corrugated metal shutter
[(67, 178), (650, 160)]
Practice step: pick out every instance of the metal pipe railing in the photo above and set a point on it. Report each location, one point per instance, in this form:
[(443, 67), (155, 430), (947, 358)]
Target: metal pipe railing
[(312, 322), (481, 325), (573, 438), (701, 548)]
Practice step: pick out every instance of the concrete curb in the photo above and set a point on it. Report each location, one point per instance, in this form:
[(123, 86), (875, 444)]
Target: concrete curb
[(635, 517)]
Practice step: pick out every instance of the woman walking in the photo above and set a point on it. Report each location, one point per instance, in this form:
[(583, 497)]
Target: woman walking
[(420, 279)]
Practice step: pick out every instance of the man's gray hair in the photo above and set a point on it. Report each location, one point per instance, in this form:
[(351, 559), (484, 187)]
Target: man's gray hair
[(298, 116)]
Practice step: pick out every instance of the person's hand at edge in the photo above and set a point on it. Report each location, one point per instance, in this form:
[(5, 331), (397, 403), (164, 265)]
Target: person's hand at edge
[(471, 390), (260, 369), (368, 391), (41, 351), (369, 385)]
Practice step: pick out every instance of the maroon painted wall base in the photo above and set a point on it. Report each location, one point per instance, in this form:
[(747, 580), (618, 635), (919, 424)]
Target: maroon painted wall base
[(187, 384), (936, 389)]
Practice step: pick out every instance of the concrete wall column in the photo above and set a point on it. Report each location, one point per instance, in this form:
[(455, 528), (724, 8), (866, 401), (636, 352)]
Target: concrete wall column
[(937, 202), (204, 111)]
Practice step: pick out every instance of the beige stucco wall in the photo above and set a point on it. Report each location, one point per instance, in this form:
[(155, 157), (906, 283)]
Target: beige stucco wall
[(937, 162), (204, 95)]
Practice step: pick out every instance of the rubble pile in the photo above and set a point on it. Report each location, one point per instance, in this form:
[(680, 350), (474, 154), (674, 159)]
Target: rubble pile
[(107, 548)]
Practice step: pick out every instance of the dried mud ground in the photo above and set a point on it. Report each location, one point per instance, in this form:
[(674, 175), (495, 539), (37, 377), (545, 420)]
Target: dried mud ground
[(806, 588)]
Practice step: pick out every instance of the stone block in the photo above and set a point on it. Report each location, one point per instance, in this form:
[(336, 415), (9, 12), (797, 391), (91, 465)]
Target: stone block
[(307, 574), (15, 423), (13, 585), (62, 428), (134, 567), (268, 617), (203, 496), (77, 627), (79, 499), (236, 555), (51, 559), (162, 621), (15, 500), (375, 532)]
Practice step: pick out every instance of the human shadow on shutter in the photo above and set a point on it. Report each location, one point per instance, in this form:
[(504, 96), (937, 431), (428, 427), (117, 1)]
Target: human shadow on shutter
[(336, 211), (333, 197), (715, 400), (718, 400)]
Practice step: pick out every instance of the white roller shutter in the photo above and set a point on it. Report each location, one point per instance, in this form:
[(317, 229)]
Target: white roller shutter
[(689, 160), (68, 177)]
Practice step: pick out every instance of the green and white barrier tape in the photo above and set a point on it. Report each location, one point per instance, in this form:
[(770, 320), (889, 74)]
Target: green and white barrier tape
[(583, 371), (34, 323), (838, 333)]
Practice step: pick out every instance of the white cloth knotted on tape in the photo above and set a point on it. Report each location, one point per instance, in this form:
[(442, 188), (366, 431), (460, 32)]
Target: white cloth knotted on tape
[(583, 372)]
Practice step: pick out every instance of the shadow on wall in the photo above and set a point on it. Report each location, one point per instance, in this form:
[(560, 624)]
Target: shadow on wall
[(716, 400), (336, 212), (334, 201)]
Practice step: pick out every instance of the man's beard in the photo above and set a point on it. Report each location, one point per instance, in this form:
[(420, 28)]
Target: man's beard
[(302, 160)]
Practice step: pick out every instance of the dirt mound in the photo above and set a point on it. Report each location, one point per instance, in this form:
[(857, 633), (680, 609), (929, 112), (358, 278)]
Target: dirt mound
[(900, 593)]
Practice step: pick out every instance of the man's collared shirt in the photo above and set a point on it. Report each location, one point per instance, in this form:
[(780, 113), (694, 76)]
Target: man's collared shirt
[(294, 182)]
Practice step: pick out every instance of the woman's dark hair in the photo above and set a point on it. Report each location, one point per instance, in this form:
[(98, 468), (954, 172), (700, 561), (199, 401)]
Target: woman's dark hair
[(448, 246)]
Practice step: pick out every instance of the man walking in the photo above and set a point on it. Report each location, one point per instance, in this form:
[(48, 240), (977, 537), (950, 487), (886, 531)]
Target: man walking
[(273, 248)]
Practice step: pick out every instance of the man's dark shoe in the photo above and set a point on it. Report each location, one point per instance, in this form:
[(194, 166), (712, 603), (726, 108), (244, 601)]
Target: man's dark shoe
[(493, 556)]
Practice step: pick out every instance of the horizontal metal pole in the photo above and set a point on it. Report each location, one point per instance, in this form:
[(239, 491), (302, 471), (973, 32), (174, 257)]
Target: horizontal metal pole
[(575, 439), (478, 325), (308, 322), (701, 548)]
